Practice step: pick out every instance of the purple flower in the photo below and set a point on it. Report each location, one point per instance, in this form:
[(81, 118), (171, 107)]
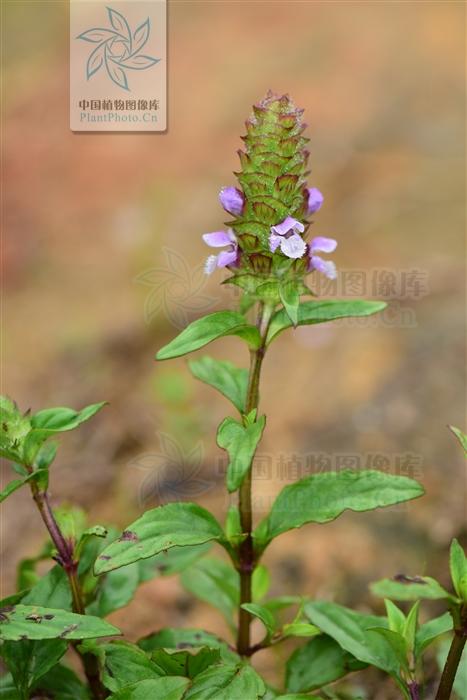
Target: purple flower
[(287, 236), (232, 200), (322, 245), (219, 239), (315, 200)]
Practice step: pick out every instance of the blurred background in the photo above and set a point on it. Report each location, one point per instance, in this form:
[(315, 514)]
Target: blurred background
[(103, 265)]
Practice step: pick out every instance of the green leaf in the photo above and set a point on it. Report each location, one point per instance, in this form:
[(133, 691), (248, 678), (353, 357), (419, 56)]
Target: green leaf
[(59, 420), (115, 591), (396, 617), (319, 662), (323, 497), (260, 583), (16, 484), (216, 583), (311, 312), (263, 614), (227, 682), (8, 690), (13, 429), (290, 297), (36, 622), (411, 626), (51, 421), (62, 683), (28, 662), (172, 561), (170, 688), (11, 488), (397, 643), (241, 443), (462, 437), (352, 631), (458, 568), (176, 524), (123, 664), (185, 663), (174, 638), (209, 328), (409, 588), (231, 381), (297, 696), (430, 631), (300, 629)]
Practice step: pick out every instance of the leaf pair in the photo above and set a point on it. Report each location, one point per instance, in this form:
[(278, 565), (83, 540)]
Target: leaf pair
[(222, 323), (22, 439)]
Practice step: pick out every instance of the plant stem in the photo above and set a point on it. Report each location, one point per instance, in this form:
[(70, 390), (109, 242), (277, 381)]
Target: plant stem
[(66, 560), (454, 656), (246, 551)]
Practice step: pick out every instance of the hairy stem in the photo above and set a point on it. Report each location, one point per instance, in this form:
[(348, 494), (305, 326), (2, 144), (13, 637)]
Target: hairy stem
[(453, 660), (66, 560), (246, 551)]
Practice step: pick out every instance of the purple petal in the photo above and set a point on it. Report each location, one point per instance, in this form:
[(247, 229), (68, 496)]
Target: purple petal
[(323, 245), (274, 242), (289, 224), (327, 267), (217, 239), (294, 246), (227, 257), (232, 200), (315, 200), (210, 264)]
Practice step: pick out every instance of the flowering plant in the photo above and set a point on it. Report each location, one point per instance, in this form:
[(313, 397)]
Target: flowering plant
[(271, 257)]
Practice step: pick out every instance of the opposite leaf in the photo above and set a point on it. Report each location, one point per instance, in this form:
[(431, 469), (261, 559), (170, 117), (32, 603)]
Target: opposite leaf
[(310, 312), (176, 524), (323, 497), (34, 622), (227, 682), (319, 662), (241, 443), (352, 632), (209, 328), (263, 614), (409, 588), (169, 688), (231, 381), (173, 638), (215, 582)]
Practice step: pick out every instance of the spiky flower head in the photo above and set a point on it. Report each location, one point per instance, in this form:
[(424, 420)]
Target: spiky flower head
[(272, 205)]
